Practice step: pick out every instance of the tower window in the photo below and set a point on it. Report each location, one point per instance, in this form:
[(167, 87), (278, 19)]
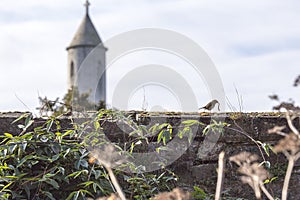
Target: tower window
[(72, 69)]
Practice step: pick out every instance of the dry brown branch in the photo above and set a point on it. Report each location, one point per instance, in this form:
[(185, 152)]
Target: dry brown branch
[(242, 131), (220, 176), (108, 158), (290, 123), (290, 147), (254, 173), (277, 130)]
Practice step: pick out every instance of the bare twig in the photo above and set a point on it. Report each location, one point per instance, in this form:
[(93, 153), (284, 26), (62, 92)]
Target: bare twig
[(115, 182), (287, 178), (290, 147), (239, 99), (277, 130), (109, 157), (253, 172), (144, 104), (22, 102), (290, 123), (229, 104), (220, 176), (256, 187), (265, 191), (248, 136)]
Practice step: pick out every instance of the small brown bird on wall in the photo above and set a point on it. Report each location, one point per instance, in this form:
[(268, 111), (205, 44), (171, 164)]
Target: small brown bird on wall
[(211, 105)]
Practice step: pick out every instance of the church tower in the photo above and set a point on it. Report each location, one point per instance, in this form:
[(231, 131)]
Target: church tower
[(86, 61)]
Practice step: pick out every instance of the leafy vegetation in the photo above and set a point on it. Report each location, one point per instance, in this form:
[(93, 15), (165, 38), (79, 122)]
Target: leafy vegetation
[(46, 161), (72, 101)]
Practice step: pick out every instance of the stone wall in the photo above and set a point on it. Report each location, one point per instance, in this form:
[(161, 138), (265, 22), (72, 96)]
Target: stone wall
[(197, 166)]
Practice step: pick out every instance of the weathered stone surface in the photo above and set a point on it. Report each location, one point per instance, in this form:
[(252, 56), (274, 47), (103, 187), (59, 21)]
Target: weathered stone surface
[(204, 171), (197, 165)]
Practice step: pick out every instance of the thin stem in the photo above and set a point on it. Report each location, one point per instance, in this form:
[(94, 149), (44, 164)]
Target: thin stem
[(89, 176), (265, 191), (231, 107), (297, 156), (115, 182), (281, 133), (239, 99), (248, 136), (290, 123), (109, 179), (220, 176), (287, 177), (256, 187)]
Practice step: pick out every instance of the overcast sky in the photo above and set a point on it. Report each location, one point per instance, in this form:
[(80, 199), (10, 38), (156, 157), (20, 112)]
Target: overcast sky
[(255, 46)]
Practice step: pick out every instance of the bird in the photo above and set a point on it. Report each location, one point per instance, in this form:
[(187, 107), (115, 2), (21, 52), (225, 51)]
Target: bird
[(211, 105)]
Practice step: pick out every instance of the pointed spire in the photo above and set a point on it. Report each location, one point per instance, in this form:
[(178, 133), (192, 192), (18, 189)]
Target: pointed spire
[(87, 4), (86, 34)]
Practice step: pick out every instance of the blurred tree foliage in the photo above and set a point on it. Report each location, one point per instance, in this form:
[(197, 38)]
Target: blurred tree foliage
[(72, 101)]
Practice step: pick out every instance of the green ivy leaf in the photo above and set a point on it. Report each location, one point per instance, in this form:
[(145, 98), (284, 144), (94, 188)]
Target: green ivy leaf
[(21, 117), (53, 183), (49, 195), (23, 146), (55, 157), (23, 160), (6, 186), (28, 120), (96, 125), (190, 122), (49, 125), (74, 195), (12, 148), (8, 135), (61, 170), (67, 152), (199, 193), (97, 173)]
